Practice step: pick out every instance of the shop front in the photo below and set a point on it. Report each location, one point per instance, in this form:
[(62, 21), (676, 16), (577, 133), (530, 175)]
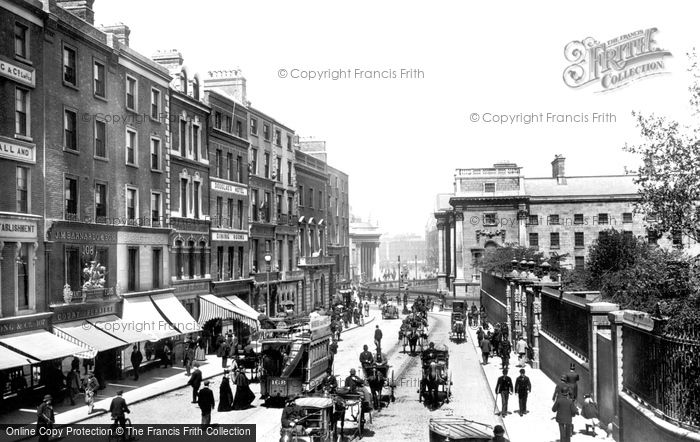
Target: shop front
[(30, 360), (20, 280), (221, 315)]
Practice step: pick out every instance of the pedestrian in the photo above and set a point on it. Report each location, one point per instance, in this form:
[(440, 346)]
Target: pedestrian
[(589, 411), (498, 432), (117, 408), (225, 394), (73, 383), (200, 352), (332, 351), (223, 353), (205, 401), (566, 410), (91, 387), (521, 350), (504, 387), (45, 418), (166, 357), (561, 388), (75, 364), (244, 395), (572, 379), (523, 387), (480, 335), (88, 365), (485, 350), (189, 357), (219, 340), (195, 382), (378, 338), (366, 357), (136, 359), (505, 350)]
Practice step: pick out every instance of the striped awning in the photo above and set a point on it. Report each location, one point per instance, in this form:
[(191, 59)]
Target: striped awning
[(141, 312), (212, 307), (238, 302), (41, 345), (92, 339), (175, 313), (129, 332)]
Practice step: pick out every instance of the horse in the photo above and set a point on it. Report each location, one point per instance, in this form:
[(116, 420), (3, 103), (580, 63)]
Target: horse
[(376, 382), (458, 329), (432, 378), (411, 336)]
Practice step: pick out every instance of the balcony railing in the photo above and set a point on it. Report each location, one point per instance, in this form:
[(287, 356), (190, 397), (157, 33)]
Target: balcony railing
[(87, 295)]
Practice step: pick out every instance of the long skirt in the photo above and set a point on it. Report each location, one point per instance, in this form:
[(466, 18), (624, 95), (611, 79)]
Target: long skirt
[(244, 397), (199, 354), (225, 397)]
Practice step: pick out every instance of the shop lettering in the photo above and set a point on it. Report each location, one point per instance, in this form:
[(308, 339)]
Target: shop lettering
[(79, 314), (16, 152), (84, 236), (17, 73), (24, 228), (14, 327), (215, 185)]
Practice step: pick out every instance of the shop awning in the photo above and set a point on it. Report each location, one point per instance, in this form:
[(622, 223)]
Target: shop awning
[(91, 338), (238, 302), (41, 345), (175, 313), (212, 307), (128, 332), (141, 312), (10, 359)]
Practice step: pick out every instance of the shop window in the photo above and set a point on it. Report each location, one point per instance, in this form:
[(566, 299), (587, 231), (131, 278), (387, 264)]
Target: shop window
[(157, 265), (133, 268)]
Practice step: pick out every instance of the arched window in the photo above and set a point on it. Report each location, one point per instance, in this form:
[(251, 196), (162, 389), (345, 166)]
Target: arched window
[(192, 262), (179, 264), (183, 82), (195, 89)]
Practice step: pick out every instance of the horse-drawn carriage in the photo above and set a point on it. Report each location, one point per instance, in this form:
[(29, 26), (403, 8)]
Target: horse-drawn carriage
[(413, 332), (383, 299), (458, 320), (436, 383), (381, 385), (390, 311), (313, 420)]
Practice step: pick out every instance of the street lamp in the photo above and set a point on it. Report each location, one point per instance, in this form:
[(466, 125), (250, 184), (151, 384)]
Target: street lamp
[(268, 259)]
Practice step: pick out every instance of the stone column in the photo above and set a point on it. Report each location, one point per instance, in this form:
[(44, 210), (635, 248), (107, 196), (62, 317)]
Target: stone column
[(537, 308), (616, 320), (597, 317), (375, 267), (459, 242), (441, 248)]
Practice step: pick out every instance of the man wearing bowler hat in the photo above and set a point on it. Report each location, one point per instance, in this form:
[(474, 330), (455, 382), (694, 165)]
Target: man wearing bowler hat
[(44, 418)]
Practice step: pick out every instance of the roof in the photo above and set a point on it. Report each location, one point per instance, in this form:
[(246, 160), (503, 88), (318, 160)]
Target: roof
[(606, 185), (460, 428), (314, 402)]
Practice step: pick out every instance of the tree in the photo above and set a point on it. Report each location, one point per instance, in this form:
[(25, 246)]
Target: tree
[(500, 259), (668, 178)]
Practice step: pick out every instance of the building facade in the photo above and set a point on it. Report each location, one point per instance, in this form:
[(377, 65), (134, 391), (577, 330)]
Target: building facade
[(338, 217), (560, 215), (410, 247), (229, 190), (364, 251)]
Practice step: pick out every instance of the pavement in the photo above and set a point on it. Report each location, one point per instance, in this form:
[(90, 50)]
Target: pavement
[(539, 423), (152, 382)]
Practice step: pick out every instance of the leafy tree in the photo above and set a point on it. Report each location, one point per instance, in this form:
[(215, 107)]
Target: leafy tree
[(499, 260), (669, 177)]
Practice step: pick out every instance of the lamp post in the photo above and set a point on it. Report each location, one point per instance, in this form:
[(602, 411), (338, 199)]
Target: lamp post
[(415, 259), (268, 259)]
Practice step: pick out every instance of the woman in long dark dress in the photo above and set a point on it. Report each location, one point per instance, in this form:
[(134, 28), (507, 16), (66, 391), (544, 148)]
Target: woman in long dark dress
[(244, 395), (225, 394)]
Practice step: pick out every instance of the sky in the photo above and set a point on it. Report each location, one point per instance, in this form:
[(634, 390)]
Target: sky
[(401, 139)]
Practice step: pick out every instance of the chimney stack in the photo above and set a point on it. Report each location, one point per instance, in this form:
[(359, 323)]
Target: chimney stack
[(169, 59), (120, 31), (229, 81), (80, 8), (558, 169)]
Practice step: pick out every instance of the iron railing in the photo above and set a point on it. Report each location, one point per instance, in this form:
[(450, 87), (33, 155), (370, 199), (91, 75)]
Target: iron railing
[(567, 322), (663, 372)]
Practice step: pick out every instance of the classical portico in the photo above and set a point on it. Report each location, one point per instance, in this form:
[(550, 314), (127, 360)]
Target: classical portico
[(364, 251)]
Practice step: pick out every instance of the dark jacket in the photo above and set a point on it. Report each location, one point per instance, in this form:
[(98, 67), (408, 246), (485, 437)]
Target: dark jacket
[(44, 415), (504, 384), (486, 346), (333, 348), (118, 407), (196, 378), (136, 358), (290, 412), (366, 357), (565, 409), (522, 385), (205, 399), (352, 382), (377, 334)]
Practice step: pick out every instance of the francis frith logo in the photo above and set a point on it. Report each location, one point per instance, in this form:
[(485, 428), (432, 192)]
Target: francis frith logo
[(616, 62)]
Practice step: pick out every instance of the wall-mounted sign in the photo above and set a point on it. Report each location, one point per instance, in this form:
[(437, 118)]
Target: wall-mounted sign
[(17, 150), (83, 236), (17, 73), (17, 228), (226, 236), (75, 312), (228, 188), (25, 323)]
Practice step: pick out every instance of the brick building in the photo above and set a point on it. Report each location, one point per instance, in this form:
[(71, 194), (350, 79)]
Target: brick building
[(228, 148), (559, 215), (318, 266), (338, 217), (188, 176)]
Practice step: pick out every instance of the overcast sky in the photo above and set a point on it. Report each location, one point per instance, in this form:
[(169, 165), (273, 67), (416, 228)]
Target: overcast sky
[(401, 139)]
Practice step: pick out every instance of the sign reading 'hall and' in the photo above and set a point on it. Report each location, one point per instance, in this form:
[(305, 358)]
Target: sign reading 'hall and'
[(17, 150)]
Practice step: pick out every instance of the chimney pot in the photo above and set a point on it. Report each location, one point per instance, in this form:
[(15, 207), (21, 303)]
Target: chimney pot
[(558, 170), (80, 8), (120, 31)]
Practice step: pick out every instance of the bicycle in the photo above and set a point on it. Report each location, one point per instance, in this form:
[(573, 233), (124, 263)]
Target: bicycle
[(114, 433)]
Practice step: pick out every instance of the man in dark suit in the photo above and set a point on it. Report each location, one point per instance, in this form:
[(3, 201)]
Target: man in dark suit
[(566, 410), (571, 379), (136, 359), (352, 381), (206, 403), (44, 417), (117, 408), (522, 387), (504, 387), (366, 358), (378, 338), (195, 382), (485, 349)]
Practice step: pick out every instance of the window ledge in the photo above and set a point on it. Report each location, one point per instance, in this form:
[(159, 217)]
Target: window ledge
[(99, 158), (135, 166), (70, 85), (24, 138), (72, 151), (24, 60), (100, 97)]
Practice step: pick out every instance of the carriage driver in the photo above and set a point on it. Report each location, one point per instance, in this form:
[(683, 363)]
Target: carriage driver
[(430, 352), (329, 383), (366, 358), (352, 381), (291, 414)]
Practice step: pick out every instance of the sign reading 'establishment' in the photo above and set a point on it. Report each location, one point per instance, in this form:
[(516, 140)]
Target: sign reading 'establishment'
[(17, 229)]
